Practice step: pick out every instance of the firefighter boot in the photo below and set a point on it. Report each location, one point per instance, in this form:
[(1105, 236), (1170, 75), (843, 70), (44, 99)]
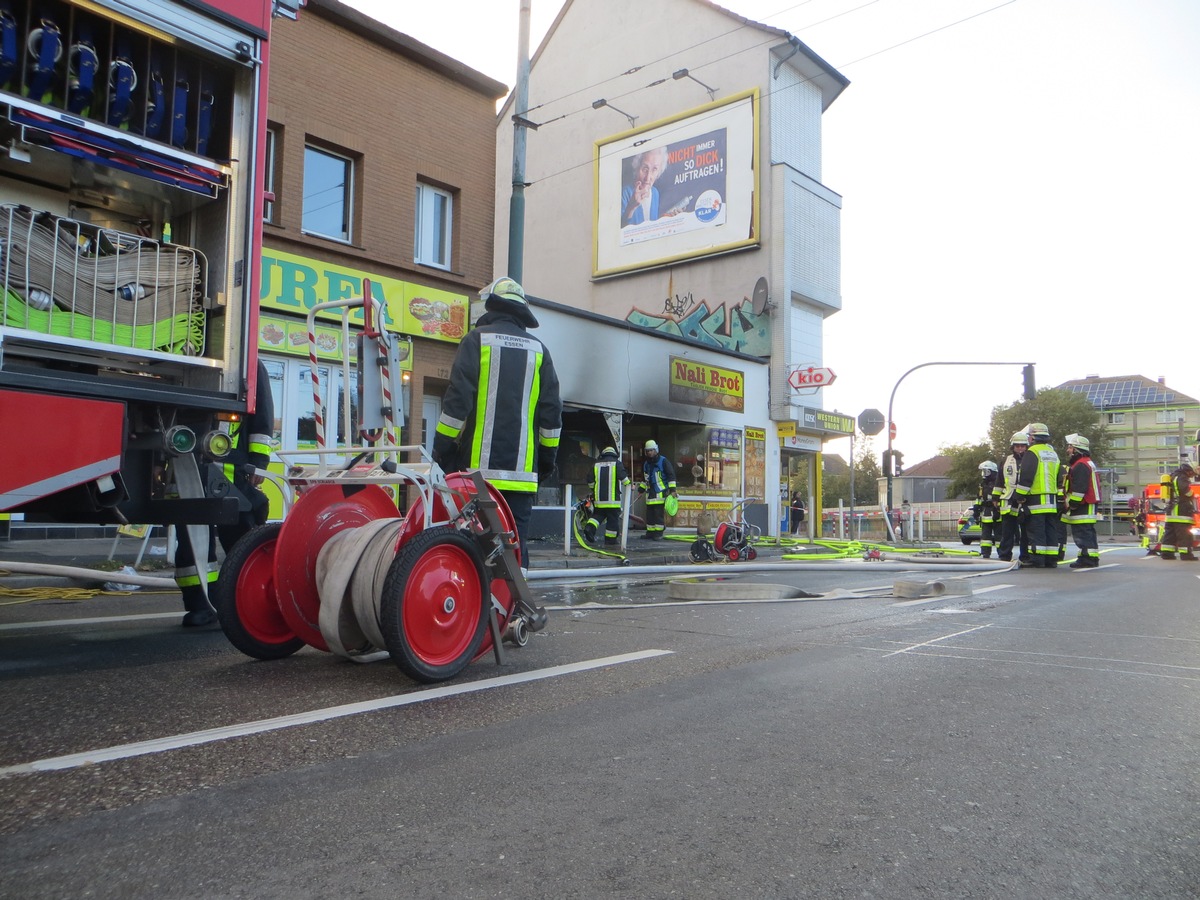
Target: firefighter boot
[(198, 612), (1189, 555), (1085, 561)]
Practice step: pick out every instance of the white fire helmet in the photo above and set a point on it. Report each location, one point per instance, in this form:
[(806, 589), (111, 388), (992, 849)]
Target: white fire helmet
[(1020, 437), (988, 466), (506, 295), (651, 445), (1079, 442)]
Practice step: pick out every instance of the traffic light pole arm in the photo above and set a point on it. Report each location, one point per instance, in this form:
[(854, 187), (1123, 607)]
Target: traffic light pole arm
[(892, 400)]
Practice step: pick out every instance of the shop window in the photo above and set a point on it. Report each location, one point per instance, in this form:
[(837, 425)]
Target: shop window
[(275, 372), (434, 227), (328, 194), (706, 459), (334, 395)]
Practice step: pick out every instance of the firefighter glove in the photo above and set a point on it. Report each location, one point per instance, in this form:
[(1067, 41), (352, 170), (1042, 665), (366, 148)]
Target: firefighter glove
[(547, 457), (443, 450)]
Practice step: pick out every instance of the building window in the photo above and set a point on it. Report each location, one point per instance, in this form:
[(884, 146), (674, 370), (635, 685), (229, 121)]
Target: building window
[(328, 192), (1167, 416), (1116, 418), (435, 225), (271, 175), (1118, 443), (1168, 440)]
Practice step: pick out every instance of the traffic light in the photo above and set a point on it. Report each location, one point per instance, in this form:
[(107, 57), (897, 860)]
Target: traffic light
[(1030, 388), (898, 457), (887, 463)]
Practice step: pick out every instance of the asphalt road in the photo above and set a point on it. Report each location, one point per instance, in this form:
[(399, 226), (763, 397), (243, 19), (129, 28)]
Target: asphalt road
[(1039, 738)]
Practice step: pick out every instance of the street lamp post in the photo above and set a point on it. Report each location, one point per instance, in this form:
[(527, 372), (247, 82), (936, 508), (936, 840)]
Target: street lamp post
[(892, 399)]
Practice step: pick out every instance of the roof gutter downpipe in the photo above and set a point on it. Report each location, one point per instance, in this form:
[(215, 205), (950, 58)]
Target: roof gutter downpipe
[(795, 42)]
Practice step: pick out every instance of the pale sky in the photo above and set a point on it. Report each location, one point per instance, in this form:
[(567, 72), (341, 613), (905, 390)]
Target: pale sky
[(1022, 186)]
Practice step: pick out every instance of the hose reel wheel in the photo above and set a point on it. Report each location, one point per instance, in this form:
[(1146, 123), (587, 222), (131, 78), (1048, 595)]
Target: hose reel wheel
[(435, 604)]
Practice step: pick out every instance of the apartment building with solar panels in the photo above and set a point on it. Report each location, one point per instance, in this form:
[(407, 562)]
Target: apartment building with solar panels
[(1150, 426)]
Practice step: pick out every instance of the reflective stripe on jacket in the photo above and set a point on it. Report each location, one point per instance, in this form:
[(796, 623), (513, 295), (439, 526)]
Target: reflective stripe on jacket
[(1037, 480), (1006, 485), (1181, 508), (658, 477), (1083, 492), (608, 479), (503, 404)]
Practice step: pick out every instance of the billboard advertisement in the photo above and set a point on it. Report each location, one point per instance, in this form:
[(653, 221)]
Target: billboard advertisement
[(678, 188)]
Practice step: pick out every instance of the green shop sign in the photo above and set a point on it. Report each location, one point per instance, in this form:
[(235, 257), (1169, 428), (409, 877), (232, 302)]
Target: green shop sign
[(295, 284)]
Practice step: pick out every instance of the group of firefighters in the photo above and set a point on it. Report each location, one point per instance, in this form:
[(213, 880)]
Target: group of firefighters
[(609, 479), (1028, 505)]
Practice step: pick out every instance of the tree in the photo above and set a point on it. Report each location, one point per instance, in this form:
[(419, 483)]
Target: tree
[(1063, 412), (964, 467)]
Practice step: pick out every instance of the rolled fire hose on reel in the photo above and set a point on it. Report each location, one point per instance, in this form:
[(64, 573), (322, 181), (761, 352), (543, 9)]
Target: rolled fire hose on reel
[(352, 568)]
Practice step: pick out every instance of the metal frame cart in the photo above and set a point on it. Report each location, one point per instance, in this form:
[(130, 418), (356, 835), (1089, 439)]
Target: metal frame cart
[(345, 572)]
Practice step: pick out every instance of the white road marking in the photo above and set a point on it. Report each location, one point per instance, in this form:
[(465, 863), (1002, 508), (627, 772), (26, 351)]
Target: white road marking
[(944, 637), (211, 735), (1032, 662), (98, 620)]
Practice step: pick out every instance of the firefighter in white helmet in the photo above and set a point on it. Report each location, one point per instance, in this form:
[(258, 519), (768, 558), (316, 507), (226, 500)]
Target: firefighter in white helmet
[(986, 508), (1082, 496), (502, 413), (1012, 528), (1036, 494), (658, 482)]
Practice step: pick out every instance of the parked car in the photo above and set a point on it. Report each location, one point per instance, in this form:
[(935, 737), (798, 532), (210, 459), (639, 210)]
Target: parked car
[(968, 529)]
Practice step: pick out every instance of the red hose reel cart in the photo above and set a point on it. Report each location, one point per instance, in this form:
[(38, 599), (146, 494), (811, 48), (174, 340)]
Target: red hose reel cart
[(346, 572)]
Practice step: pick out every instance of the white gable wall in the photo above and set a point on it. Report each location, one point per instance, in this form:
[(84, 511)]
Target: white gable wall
[(585, 58)]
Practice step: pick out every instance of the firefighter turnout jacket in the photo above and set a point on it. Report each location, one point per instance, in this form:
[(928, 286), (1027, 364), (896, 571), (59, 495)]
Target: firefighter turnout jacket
[(1037, 480), (658, 478), (1082, 490), (987, 502), (608, 480), (1181, 506), (1005, 486), (502, 413)]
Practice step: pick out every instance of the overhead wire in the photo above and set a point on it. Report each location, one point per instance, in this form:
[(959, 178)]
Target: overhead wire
[(772, 93), (634, 69)]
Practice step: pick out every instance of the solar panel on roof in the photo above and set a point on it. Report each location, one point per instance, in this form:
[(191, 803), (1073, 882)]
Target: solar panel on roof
[(1125, 393)]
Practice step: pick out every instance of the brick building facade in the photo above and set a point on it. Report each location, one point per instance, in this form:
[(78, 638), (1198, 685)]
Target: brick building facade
[(380, 165)]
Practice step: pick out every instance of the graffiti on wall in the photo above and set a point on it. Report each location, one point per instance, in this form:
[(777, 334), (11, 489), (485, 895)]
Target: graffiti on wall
[(725, 326)]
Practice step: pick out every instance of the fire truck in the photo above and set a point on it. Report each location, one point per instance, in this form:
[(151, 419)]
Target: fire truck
[(132, 144)]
